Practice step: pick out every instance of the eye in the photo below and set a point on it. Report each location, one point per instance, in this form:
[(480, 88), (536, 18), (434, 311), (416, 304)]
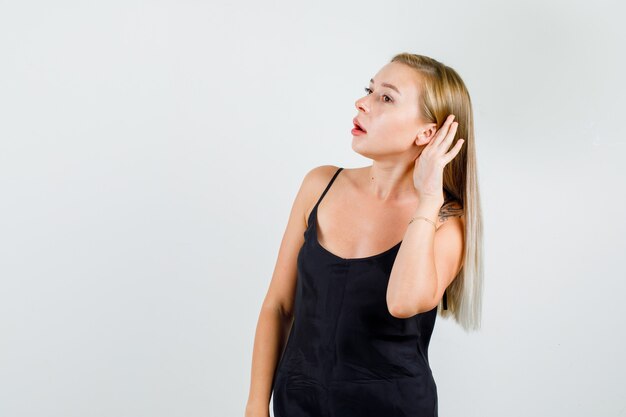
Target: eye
[(369, 91)]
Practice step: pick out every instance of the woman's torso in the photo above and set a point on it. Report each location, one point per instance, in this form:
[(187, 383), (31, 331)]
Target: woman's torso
[(346, 355)]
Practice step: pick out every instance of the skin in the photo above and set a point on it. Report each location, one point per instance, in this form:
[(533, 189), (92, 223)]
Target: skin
[(366, 212), (396, 133), (408, 155)]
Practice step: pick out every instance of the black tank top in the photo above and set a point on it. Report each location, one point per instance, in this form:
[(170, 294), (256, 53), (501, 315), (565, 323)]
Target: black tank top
[(346, 355)]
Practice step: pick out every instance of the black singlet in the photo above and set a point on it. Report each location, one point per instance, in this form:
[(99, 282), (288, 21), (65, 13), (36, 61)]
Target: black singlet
[(346, 355)]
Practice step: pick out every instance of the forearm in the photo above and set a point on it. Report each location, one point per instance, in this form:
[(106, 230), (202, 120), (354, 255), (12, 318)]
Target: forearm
[(413, 281), (270, 337)]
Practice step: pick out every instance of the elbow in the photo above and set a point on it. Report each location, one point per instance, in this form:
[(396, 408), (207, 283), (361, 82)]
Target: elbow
[(400, 313), (404, 311), (280, 309)]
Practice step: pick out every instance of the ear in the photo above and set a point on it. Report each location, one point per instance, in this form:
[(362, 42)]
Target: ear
[(426, 134)]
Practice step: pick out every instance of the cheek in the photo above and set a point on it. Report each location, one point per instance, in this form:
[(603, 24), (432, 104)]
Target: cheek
[(391, 125), (399, 131), (393, 128), (406, 127)]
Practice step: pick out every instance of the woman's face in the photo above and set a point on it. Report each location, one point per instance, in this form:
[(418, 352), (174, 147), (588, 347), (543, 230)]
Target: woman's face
[(390, 116)]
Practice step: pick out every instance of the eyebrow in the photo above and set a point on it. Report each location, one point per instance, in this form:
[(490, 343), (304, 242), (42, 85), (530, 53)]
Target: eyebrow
[(393, 87)]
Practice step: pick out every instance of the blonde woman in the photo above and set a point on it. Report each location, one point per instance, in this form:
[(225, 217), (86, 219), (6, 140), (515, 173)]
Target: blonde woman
[(372, 255)]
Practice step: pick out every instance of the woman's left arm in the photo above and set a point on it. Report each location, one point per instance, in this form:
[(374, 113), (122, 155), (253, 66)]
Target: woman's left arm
[(429, 257), (428, 260)]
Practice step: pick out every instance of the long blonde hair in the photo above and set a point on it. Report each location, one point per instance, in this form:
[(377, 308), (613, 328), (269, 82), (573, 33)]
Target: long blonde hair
[(443, 93)]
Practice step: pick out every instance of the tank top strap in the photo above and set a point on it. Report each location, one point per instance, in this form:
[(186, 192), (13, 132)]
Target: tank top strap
[(445, 299), (328, 187)]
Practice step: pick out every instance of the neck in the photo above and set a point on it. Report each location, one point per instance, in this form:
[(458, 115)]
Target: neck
[(393, 182)]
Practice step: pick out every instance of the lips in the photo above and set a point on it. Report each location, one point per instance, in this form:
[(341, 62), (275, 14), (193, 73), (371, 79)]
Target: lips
[(358, 125)]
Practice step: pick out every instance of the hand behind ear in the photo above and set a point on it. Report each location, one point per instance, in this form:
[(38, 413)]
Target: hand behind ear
[(429, 164)]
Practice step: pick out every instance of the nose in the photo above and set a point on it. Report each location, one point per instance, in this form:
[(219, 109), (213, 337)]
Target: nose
[(361, 105)]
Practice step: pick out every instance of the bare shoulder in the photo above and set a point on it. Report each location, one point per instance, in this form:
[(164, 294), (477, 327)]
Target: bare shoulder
[(320, 174), (313, 184)]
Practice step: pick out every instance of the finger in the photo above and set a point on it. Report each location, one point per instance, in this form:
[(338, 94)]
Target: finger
[(454, 151), (450, 136), (443, 131), (445, 143)]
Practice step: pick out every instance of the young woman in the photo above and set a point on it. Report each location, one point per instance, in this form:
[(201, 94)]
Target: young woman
[(371, 255)]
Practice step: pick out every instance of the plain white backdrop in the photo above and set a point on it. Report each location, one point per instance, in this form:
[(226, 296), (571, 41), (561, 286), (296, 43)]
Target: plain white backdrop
[(150, 152)]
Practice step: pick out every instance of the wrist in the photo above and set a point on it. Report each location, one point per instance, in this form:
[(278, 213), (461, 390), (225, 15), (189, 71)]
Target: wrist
[(428, 208)]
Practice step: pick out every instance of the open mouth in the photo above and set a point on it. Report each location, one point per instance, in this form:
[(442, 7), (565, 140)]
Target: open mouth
[(357, 127)]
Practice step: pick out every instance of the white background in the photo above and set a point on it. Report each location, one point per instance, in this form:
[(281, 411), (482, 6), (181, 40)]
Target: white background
[(151, 151)]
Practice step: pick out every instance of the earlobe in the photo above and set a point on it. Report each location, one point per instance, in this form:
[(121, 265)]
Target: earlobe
[(421, 139)]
